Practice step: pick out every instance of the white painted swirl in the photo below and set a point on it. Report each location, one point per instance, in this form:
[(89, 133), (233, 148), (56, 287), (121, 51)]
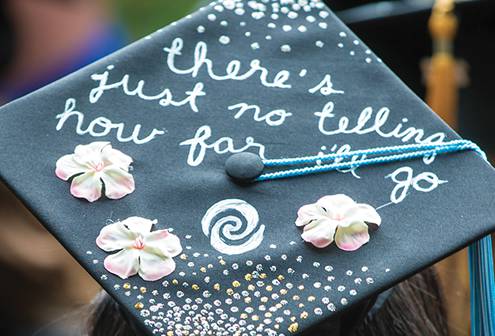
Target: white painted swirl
[(225, 232)]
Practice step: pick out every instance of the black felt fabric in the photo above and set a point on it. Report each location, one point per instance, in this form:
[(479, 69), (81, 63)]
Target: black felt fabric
[(296, 286)]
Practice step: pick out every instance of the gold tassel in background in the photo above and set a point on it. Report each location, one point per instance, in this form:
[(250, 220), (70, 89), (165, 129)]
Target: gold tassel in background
[(441, 80)]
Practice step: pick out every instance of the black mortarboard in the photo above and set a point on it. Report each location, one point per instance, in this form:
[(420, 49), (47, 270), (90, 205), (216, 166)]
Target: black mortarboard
[(188, 243)]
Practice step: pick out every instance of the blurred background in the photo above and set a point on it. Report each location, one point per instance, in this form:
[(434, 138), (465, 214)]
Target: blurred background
[(443, 50)]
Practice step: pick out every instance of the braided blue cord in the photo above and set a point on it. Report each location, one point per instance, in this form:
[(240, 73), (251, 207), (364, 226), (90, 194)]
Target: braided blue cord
[(480, 253), (464, 144), (405, 152)]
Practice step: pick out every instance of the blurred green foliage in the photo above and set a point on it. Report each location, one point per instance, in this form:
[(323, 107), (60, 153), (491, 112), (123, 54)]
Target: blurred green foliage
[(142, 17)]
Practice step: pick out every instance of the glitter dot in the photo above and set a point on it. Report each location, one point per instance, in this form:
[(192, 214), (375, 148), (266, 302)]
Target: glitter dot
[(310, 18), (247, 34), (292, 15), (268, 37), (340, 45), (302, 28), (257, 15), (370, 280), (344, 301), (368, 60), (352, 53), (331, 307), (364, 269), (212, 17), (285, 48), (349, 273), (303, 73), (324, 14), (319, 44), (353, 292), (224, 23), (224, 39), (286, 28), (239, 11), (341, 288), (356, 42), (323, 25)]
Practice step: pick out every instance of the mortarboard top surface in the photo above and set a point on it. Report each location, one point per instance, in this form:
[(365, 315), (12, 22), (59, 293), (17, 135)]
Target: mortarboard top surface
[(168, 102)]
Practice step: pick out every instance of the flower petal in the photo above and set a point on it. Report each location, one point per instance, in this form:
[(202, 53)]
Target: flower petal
[(319, 233), (90, 154), (153, 267), (363, 213), (335, 204), (87, 185), (115, 237), (118, 182), (139, 225), (66, 167), (352, 237), (111, 156), (124, 263), (308, 213), (163, 243)]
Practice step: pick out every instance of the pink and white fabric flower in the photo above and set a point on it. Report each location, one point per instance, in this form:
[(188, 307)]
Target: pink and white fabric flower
[(337, 218), (93, 166), (141, 251)]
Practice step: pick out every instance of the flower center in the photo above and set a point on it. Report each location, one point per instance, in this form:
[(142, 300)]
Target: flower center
[(138, 243), (99, 166)]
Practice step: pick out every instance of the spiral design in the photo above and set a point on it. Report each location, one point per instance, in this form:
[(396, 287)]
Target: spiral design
[(225, 232)]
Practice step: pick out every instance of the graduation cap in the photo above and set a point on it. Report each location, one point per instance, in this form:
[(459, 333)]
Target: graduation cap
[(251, 168)]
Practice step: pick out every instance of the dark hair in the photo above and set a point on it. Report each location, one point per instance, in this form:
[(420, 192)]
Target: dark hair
[(414, 307)]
